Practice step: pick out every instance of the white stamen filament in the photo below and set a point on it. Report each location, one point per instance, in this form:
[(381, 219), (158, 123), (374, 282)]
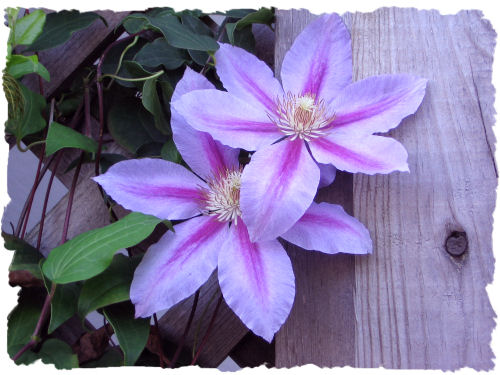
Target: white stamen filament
[(302, 117), (222, 198)]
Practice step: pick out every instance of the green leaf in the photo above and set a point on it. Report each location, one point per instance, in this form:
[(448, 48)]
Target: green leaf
[(169, 152), (31, 120), (110, 286), (111, 358), (20, 65), (58, 353), (107, 160), (63, 304), (196, 25), (150, 150), (26, 257), (21, 324), (151, 102), (180, 36), (28, 28), (245, 39), (135, 22), (230, 32), (239, 13), (159, 52), (90, 253), (60, 26), (263, 15), (131, 125), (132, 333), (60, 136), (110, 63)]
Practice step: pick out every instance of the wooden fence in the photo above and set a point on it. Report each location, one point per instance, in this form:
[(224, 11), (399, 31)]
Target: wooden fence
[(419, 301)]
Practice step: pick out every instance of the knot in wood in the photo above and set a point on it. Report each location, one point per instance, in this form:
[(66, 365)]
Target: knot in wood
[(456, 243)]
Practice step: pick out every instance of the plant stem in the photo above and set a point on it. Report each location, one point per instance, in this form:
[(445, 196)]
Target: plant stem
[(46, 305), (157, 74), (43, 316), (70, 199), (222, 27), (46, 200), (186, 330), (209, 329)]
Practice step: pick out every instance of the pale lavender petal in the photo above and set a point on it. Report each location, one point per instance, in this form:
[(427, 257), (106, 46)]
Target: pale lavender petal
[(154, 187), (247, 77), (202, 153), (320, 59), (327, 228), (327, 174), (369, 154), (257, 281), (378, 104), (177, 265), (277, 187), (228, 119), (190, 81)]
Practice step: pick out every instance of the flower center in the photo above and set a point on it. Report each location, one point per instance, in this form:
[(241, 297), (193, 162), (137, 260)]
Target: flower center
[(222, 198), (302, 117)]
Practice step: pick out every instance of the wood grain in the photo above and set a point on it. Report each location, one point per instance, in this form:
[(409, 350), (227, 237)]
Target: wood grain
[(415, 305), (320, 328), (83, 48)]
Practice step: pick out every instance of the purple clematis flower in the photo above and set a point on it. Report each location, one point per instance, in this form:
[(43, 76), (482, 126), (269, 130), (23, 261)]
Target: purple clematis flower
[(256, 278), (325, 118)]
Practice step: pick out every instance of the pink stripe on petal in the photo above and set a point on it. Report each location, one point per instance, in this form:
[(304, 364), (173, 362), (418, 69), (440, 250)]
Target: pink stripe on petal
[(320, 59), (328, 228), (246, 77), (378, 104), (257, 281), (227, 119), (277, 186), (369, 154), (177, 265), (154, 187), (202, 153)]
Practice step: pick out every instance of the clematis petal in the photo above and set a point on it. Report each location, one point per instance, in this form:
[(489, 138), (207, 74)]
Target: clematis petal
[(190, 81), (369, 154), (277, 187), (247, 77), (154, 187), (320, 59), (201, 152), (257, 281), (379, 103), (228, 119), (327, 174), (328, 228), (177, 265)]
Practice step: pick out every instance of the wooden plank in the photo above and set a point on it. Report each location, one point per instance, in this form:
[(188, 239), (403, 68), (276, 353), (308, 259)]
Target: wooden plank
[(82, 49), (226, 333), (414, 305), (417, 306), (324, 283)]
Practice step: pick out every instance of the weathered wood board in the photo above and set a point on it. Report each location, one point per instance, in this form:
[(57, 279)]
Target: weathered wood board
[(78, 51), (410, 304)]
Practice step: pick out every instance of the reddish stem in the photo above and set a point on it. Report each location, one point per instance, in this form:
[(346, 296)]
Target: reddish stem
[(23, 219), (43, 316), (100, 95), (70, 198), (209, 329), (186, 330), (46, 305), (46, 200)]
